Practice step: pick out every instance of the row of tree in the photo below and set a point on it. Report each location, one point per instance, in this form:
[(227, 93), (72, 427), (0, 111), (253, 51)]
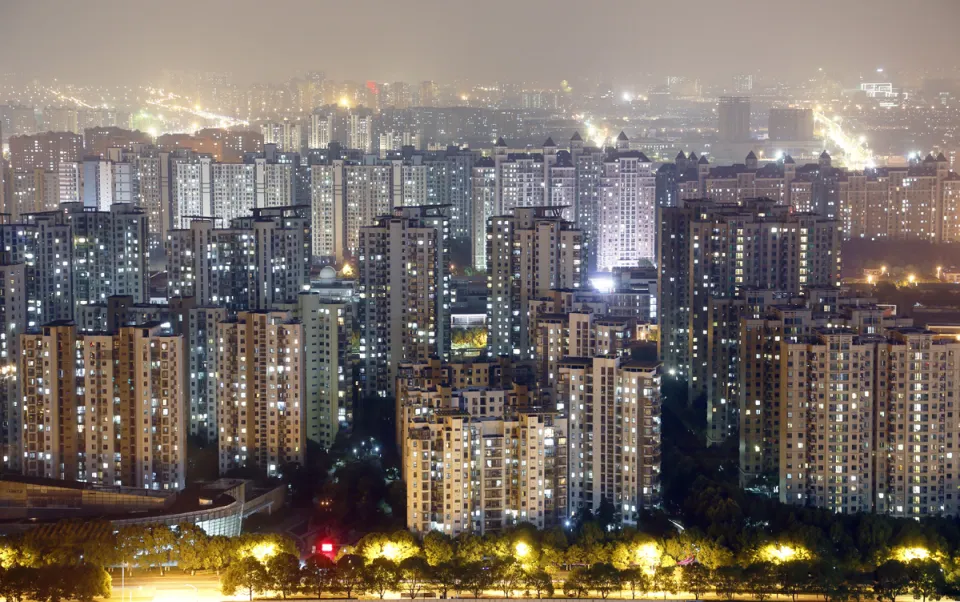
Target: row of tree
[(762, 580), (351, 575), (53, 583), (185, 546)]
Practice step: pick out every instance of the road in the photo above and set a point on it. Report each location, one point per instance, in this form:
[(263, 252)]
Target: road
[(176, 586)]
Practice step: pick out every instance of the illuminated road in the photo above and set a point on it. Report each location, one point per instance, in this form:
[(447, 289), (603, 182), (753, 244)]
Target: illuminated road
[(856, 155), (223, 121), (176, 586)]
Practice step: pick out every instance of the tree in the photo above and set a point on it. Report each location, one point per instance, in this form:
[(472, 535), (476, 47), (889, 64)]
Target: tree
[(284, 573), (89, 582), (761, 580), (726, 581), (437, 548), (51, 584), (794, 577), (665, 580), (695, 579), (470, 548), (247, 575), (636, 580), (540, 582), (349, 574), (319, 574), (445, 577), (576, 584), (190, 552), (130, 545), (220, 553), (926, 580), (476, 578), (507, 574), (17, 582), (381, 576), (553, 546), (414, 571), (603, 578), (891, 579), (575, 556)]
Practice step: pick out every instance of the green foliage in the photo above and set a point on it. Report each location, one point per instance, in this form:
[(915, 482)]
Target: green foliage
[(891, 579), (247, 575), (89, 582), (695, 578), (927, 581), (476, 578), (577, 583), (603, 578), (507, 574), (284, 575), (414, 571), (319, 575), (540, 582), (761, 580), (445, 577), (350, 575), (381, 576), (437, 548), (191, 550)]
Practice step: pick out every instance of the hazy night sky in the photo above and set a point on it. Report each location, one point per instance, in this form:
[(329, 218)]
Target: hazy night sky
[(108, 41)]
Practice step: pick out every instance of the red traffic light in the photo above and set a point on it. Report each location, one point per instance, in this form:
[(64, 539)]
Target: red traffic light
[(326, 548)]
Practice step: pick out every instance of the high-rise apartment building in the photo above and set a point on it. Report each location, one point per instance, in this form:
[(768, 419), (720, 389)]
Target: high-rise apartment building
[(13, 322), (60, 119), (43, 243), (484, 474), (44, 151), (110, 253), (583, 334), (528, 254), (260, 390), (361, 132), (285, 134), (259, 261), (709, 252), (614, 433), (404, 285), (625, 232), (321, 130), (790, 124), (733, 114), (104, 408), (328, 374)]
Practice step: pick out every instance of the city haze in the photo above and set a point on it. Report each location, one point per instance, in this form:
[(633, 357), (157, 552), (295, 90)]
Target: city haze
[(112, 42)]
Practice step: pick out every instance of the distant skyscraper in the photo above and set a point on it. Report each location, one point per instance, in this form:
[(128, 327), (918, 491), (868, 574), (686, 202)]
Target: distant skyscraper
[(743, 83), (285, 134), (790, 124), (361, 132), (733, 114), (44, 151)]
